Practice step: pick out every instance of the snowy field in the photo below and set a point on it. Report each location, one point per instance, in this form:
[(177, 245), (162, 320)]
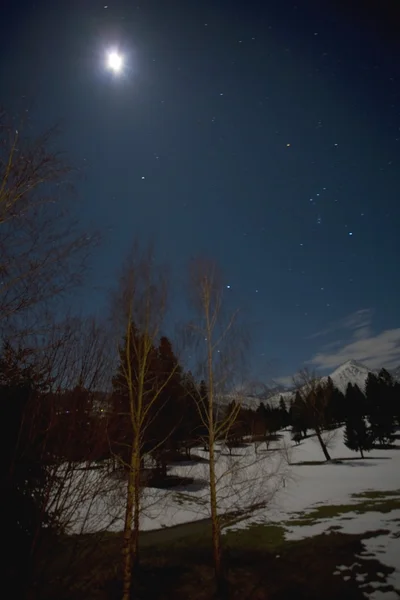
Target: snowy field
[(306, 499)]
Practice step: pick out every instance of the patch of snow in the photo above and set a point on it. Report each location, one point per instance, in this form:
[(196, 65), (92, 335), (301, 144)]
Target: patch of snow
[(245, 479)]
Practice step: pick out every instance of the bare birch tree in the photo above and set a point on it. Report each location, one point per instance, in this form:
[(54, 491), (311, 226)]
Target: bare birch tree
[(214, 336), (140, 305), (241, 484)]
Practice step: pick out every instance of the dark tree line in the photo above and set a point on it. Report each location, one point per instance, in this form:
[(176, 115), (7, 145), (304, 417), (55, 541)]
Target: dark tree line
[(171, 417), (46, 427), (24, 456), (369, 418)]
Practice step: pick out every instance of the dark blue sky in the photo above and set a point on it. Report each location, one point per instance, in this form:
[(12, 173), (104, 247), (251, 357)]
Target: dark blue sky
[(263, 134)]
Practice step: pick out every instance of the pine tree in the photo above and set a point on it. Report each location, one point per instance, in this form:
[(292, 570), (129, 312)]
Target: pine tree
[(298, 416), (356, 402), (165, 428), (336, 411), (358, 436), (396, 402), (284, 414), (380, 399)]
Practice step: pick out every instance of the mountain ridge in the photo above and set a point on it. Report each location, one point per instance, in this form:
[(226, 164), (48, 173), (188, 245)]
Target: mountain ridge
[(352, 371)]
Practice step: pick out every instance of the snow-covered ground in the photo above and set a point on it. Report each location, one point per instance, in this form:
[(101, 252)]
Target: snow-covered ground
[(292, 491)]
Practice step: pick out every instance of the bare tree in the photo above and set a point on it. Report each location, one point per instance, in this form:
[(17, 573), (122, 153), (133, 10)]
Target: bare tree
[(43, 253), (139, 386), (55, 425), (76, 351), (217, 350), (315, 396), (242, 482)]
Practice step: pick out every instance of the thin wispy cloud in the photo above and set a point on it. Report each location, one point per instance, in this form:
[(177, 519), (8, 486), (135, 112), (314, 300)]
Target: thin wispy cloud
[(355, 341), (286, 380), (358, 322), (375, 351)]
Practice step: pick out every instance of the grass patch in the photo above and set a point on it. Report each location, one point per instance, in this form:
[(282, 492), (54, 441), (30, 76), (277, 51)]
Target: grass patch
[(377, 494), (176, 562), (260, 565), (256, 537), (381, 502)]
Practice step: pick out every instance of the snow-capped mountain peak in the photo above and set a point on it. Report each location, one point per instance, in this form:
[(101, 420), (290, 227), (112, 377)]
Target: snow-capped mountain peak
[(351, 371)]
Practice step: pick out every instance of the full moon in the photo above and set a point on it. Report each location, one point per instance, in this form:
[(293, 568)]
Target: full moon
[(114, 61)]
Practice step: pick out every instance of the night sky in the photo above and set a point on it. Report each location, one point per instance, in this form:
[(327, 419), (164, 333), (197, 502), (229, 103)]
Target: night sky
[(263, 134)]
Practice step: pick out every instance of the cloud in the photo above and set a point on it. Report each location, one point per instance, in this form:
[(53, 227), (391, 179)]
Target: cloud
[(362, 333), (355, 340), (287, 380), (359, 322), (374, 351)]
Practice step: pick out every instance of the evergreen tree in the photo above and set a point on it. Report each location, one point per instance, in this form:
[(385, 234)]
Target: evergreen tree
[(137, 372), (298, 416), (284, 414), (165, 432), (336, 411), (356, 402), (161, 417), (380, 400), (357, 435), (396, 402)]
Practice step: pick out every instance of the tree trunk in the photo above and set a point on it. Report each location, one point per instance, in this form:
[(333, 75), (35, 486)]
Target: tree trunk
[(127, 540), (216, 529), (362, 453), (130, 549), (136, 516), (322, 444)]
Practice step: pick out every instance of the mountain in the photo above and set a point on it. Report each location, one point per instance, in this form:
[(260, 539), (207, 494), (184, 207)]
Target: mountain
[(351, 371), (395, 373)]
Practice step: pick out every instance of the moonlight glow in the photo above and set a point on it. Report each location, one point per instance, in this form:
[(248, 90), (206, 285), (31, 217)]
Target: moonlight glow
[(114, 62)]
